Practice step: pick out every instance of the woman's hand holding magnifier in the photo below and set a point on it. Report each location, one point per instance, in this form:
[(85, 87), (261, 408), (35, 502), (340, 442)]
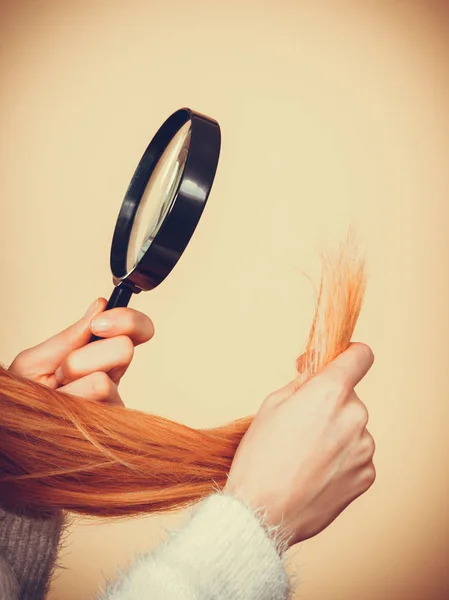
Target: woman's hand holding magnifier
[(92, 371)]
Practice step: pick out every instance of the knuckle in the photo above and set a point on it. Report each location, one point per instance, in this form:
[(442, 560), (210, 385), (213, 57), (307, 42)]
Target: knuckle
[(101, 385), (369, 476), (371, 445), (364, 415), (361, 415), (126, 347), (367, 448), (338, 387), (70, 365), (21, 362), (121, 350), (366, 351), (270, 401)]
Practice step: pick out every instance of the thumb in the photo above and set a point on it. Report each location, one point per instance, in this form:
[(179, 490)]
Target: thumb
[(47, 356)]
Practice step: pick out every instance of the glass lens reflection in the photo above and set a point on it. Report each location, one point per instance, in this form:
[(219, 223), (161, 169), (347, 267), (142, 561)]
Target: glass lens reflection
[(158, 196)]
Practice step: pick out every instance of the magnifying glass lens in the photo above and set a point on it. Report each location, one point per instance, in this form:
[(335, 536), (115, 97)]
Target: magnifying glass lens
[(159, 195), (153, 228)]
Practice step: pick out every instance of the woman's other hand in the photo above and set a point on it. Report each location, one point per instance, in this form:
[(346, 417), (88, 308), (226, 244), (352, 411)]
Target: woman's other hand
[(307, 455), (92, 371)]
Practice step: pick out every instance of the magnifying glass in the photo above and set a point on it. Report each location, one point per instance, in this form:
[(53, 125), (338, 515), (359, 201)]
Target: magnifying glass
[(163, 204)]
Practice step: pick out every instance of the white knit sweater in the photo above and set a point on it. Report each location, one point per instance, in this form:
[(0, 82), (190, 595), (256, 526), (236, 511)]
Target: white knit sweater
[(224, 552)]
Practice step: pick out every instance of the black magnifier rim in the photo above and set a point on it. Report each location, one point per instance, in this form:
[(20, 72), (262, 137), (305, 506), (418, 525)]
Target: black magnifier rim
[(189, 201)]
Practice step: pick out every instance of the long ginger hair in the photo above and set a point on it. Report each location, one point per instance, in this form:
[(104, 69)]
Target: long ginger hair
[(61, 452)]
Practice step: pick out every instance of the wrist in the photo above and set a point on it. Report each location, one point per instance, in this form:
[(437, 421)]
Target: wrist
[(269, 518)]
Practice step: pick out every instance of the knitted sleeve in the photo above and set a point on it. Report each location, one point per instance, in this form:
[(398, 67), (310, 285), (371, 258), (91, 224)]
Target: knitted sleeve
[(224, 552), (28, 549)]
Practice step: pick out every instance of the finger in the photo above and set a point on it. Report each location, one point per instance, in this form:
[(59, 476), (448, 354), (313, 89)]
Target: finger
[(357, 413), (351, 366), (123, 321), (292, 386), (110, 356), (369, 443), (347, 370), (47, 356), (97, 387)]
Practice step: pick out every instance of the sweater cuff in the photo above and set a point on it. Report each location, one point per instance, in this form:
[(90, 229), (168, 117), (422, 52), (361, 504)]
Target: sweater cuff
[(29, 546), (226, 546)]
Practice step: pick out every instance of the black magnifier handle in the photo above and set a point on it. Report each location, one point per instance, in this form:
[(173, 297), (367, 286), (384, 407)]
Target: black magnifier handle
[(119, 297)]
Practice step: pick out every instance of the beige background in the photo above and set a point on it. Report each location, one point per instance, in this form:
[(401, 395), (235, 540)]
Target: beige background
[(331, 113)]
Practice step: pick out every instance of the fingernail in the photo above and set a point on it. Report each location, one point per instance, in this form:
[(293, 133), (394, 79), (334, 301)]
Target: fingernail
[(91, 310), (100, 325), (59, 375)]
